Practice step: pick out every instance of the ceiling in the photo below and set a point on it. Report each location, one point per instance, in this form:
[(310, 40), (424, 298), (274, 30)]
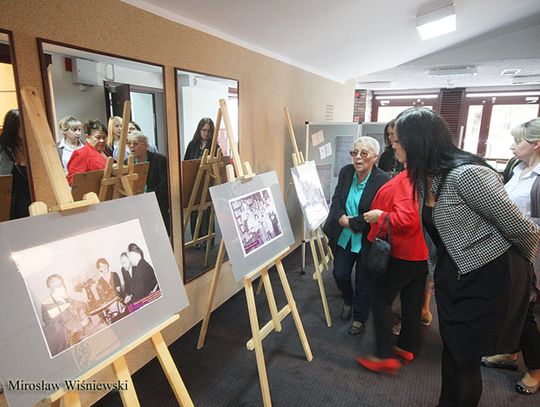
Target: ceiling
[(373, 42)]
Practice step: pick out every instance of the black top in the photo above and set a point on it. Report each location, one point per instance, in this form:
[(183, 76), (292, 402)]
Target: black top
[(427, 221), (389, 163), (194, 150), (157, 181), (332, 228)]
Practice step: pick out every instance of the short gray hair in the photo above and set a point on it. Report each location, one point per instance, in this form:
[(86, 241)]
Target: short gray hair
[(370, 143), (528, 131), (139, 136)]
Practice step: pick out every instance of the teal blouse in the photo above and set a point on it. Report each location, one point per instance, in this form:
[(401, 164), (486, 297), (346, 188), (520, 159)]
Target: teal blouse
[(351, 208)]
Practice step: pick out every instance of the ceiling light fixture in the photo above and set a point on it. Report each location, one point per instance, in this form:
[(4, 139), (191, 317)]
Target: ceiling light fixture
[(391, 97), (453, 71), (436, 22)]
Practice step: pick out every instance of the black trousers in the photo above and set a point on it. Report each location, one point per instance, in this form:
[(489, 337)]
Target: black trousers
[(408, 278), (530, 340), (205, 219), (461, 380)]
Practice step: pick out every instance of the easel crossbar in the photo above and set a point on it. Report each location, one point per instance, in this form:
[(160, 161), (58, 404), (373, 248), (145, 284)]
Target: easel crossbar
[(269, 327)]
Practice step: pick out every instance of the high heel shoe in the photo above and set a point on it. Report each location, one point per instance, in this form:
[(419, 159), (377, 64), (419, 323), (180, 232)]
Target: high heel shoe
[(405, 355), (388, 366)]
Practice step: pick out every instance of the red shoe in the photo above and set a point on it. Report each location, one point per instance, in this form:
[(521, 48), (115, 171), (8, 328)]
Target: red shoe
[(405, 355), (389, 366)]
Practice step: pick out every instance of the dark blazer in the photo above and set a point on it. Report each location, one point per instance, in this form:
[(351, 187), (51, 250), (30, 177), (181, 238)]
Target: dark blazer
[(143, 281), (332, 228), (157, 182)]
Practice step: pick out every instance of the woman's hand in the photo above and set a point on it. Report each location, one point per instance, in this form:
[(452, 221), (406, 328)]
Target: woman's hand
[(372, 216), (344, 221)]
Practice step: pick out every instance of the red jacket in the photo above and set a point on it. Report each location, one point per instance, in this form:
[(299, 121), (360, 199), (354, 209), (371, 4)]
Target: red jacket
[(85, 159), (395, 198)]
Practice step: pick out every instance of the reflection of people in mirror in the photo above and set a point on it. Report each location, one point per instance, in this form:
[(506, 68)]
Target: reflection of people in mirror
[(71, 129), (143, 279), (113, 138), (156, 180), (202, 140), (133, 126), (92, 156), (13, 162), (65, 320)]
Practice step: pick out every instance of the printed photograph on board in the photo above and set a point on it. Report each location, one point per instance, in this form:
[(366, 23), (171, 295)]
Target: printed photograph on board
[(256, 220), (81, 285), (310, 194)]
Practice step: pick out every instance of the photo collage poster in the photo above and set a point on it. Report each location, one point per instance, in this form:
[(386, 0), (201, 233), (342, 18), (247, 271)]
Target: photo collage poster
[(254, 221), (310, 194)]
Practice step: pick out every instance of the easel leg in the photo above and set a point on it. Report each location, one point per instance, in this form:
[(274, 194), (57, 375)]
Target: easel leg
[(129, 396), (303, 267), (71, 399), (171, 371), (255, 330), (213, 288), (271, 299), (318, 276), (294, 310)]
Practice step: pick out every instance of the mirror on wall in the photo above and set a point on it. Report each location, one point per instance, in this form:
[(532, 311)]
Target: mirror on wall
[(85, 92), (15, 182), (198, 102)]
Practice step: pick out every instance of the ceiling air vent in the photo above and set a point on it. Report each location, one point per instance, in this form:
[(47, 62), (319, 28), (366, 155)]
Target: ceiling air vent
[(452, 71), (510, 72)]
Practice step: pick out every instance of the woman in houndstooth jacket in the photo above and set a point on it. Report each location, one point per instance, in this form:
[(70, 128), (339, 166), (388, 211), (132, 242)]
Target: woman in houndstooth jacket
[(481, 248)]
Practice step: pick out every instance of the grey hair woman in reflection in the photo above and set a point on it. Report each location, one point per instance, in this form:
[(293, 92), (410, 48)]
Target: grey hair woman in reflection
[(13, 162)]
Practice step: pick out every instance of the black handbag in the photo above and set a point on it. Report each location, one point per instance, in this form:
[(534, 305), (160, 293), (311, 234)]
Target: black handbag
[(379, 253)]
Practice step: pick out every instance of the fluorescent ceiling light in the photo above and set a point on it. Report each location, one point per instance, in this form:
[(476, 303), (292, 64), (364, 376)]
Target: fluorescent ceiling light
[(453, 71), (500, 94), (437, 22), (390, 97)]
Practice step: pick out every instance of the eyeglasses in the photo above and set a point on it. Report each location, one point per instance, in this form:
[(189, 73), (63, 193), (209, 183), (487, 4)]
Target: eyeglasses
[(132, 143), (363, 153)]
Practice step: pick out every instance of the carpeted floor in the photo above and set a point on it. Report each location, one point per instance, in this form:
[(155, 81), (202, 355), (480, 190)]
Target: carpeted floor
[(224, 372)]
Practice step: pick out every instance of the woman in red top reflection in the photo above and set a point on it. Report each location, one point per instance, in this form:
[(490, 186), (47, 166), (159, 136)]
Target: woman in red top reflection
[(92, 156)]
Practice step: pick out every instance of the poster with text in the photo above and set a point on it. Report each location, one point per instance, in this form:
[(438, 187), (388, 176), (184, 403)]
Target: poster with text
[(344, 145)]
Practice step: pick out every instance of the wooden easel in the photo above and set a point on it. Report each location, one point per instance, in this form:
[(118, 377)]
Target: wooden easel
[(44, 140), (320, 249), (255, 343), (209, 169), (118, 176), (6, 182)]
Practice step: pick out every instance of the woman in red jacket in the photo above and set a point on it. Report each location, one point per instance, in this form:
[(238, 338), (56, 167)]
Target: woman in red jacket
[(92, 156), (406, 274)]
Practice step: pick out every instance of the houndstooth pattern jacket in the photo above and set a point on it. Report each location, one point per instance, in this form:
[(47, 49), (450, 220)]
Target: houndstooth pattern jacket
[(476, 220)]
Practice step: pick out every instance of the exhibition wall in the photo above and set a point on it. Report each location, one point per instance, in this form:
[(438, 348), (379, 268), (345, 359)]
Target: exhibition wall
[(266, 86)]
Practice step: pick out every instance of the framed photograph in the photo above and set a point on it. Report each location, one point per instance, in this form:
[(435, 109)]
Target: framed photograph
[(82, 285), (254, 222), (310, 194)]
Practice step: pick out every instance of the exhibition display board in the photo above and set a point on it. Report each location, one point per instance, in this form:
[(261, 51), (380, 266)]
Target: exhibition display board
[(262, 239)]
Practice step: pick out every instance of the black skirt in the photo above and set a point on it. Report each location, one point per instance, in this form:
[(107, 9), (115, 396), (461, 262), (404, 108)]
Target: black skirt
[(482, 312)]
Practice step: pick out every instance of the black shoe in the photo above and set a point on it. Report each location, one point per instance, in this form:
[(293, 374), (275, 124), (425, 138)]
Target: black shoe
[(346, 312), (507, 365), (356, 328)]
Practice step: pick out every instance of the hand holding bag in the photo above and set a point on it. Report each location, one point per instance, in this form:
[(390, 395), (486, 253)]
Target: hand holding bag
[(379, 253)]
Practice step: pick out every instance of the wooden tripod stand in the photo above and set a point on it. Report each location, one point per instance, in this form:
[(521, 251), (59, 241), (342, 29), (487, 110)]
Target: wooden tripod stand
[(64, 202), (320, 249), (244, 172)]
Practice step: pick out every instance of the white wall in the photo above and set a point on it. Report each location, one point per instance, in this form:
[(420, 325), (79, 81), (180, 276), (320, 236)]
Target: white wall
[(70, 100)]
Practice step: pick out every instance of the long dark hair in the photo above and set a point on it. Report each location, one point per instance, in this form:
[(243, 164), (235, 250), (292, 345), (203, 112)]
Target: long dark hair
[(387, 145), (202, 122), (427, 141), (10, 131)]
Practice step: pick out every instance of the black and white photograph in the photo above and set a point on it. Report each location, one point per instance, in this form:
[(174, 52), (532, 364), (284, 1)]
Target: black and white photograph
[(310, 194), (342, 156), (253, 219), (256, 221), (81, 285), (325, 177)]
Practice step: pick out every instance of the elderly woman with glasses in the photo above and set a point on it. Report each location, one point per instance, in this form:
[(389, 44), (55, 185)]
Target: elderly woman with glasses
[(347, 230)]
